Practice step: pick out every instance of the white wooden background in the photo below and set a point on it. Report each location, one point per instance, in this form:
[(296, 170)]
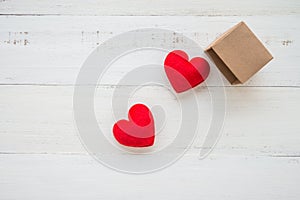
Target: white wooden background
[(42, 46)]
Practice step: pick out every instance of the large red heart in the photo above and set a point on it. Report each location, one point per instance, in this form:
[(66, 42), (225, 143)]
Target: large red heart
[(139, 130), (184, 74)]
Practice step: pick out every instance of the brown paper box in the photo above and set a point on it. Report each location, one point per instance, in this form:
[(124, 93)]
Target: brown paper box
[(238, 54)]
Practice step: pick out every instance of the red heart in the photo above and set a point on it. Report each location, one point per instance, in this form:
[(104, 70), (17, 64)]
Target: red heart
[(184, 74), (139, 130)]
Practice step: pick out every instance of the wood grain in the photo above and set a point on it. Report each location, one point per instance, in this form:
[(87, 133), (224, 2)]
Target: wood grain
[(51, 50), (259, 121), (80, 177), (42, 47), (146, 7)]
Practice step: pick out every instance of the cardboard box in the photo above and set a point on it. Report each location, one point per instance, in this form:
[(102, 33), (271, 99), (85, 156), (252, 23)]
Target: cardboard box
[(238, 54)]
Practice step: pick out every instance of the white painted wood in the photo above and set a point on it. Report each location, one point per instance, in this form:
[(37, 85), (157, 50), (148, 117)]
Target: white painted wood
[(149, 7), (259, 121), (80, 177), (42, 46), (50, 50)]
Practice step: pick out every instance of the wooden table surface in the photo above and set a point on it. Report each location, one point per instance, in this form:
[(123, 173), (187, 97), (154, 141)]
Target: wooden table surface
[(43, 44)]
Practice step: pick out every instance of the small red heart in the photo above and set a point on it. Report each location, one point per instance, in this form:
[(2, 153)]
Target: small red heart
[(139, 130), (184, 74)]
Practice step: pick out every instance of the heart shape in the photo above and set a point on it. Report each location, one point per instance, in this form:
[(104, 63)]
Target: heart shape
[(139, 130), (184, 74)]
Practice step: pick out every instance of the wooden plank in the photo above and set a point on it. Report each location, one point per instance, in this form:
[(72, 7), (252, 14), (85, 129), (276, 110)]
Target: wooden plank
[(259, 121), (146, 7), (80, 177), (50, 50)]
